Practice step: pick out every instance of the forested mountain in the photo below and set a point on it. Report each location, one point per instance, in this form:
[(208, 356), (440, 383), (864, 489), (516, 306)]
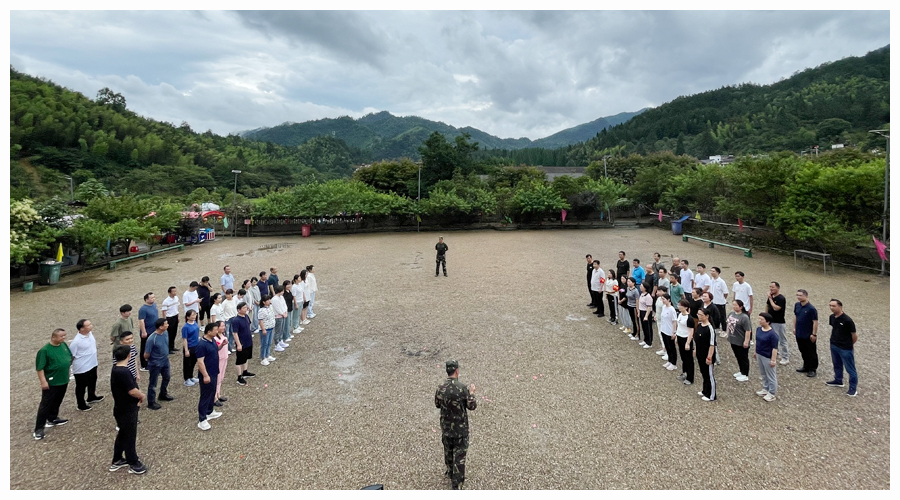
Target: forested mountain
[(385, 136), (55, 132)]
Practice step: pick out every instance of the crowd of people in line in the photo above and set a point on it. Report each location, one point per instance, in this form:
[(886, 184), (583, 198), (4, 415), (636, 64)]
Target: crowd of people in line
[(689, 310), (216, 325)]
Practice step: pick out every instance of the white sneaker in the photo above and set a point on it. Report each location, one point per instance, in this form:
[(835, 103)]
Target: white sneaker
[(736, 375), (660, 352), (264, 362), (278, 349), (647, 346), (297, 330), (196, 380), (762, 392), (204, 425), (704, 398), (642, 343), (671, 367), (290, 338), (214, 414), (271, 358), (783, 361), (665, 357), (742, 378), (304, 322), (285, 344), (310, 316), (769, 397), (255, 331), (189, 382)]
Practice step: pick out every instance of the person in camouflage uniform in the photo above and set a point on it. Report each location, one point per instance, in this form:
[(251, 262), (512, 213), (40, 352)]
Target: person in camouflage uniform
[(441, 258), (453, 398)]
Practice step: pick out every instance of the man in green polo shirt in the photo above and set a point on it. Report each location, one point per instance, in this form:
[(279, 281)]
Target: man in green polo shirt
[(52, 365)]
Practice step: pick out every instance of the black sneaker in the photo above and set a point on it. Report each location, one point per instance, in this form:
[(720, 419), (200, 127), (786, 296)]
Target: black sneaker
[(834, 383), (38, 434), (138, 468), (218, 403), (95, 400), (154, 406), (118, 464), (166, 398), (86, 408), (241, 381), (223, 399), (247, 374), (59, 421), (853, 393), (811, 373)]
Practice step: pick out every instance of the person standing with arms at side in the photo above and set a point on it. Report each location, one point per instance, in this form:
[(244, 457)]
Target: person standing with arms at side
[(303, 296), (775, 304), (204, 291), (766, 356), (843, 338), (170, 311), (147, 316), (229, 311), (221, 339), (702, 279), (597, 288), (657, 264), (676, 270), (441, 258), (645, 309), (191, 299), (128, 399), (705, 348), (243, 340), (684, 332), (84, 365), (266, 330), (668, 323), (622, 266), (312, 288), (454, 399), (279, 307), (738, 326), (125, 323), (719, 291), (255, 295), (611, 294), (272, 281), (742, 291), (127, 339), (52, 364), (190, 335), (227, 279), (632, 295), (675, 289), (806, 327), (590, 276), (157, 357), (208, 364), (687, 277), (637, 272)]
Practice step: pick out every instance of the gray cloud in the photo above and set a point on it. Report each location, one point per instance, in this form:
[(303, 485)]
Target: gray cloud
[(512, 74)]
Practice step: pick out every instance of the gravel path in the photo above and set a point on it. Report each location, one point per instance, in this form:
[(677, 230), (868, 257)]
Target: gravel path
[(566, 401)]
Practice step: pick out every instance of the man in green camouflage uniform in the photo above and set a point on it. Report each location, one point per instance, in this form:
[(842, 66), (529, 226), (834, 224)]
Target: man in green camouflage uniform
[(453, 398), (441, 259)]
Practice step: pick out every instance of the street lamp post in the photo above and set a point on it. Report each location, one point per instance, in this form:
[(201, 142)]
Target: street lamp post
[(71, 187), (234, 204), (887, 165), (604, 166)]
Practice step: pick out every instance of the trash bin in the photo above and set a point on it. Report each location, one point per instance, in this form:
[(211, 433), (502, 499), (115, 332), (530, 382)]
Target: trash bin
[(305, 230), (676, 224), (49, 272)]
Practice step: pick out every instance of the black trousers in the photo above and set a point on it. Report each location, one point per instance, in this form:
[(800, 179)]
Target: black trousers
[(439, 261), (143, 348), (591, 293), (190, 362), (173, 330), (808, 352), (49, 407), (723, 317), (455, 449), (706, 371), (85, 381), (598, 302), (687, 359), (204, 312), (126, 438), (611, 302), (671, 349), (742, 354), (647, 328), (207, 397)]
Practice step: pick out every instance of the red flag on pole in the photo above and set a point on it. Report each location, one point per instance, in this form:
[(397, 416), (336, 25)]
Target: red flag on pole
[(564, 214), (879, 246), (660, 216), (740, 225)]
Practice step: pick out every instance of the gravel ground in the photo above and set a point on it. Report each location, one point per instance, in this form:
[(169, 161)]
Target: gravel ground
[(566, 401)]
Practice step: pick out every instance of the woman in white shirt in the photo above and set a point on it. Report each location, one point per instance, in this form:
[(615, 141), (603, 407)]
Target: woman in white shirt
[(684, 333), (304, 287), (611, 295), (229, 310), (266, 330), (297, 290), (667, 322)]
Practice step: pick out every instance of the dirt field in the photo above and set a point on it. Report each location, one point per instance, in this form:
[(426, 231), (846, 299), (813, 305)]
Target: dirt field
[(565, 400)]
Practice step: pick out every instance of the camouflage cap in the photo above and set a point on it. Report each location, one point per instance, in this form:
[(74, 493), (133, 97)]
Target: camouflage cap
[(452, 366)]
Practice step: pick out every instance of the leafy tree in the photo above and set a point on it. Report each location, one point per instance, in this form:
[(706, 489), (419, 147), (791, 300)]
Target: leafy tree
[(29, 235), (537, 198), (390, 176), (440, 158), (107, 97), (90, 189), (511, 177)]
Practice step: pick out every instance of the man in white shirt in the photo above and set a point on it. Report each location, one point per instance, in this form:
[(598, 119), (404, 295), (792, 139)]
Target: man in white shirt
[(170, 311), (701, 279), (227, 280), (191, 299), (742, 291), (687, 277), (84, 365), (279, 307), (229, 310), (312, 288), (719, 291)]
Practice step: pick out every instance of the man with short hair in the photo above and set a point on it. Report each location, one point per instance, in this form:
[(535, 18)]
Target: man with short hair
[(157, 357), (701, 279), (208, 363), (243, 341), (743, 291), (263, 284), (453, 399), (170, 311), (147, 316), (272, 282), (313, 287), (622, 266), (52, 364), (229, 311), (127, 397), (279, 308), (687, 277), (657, 264), (125, 323), (843, 338), (719, 290), (227, 279), (590, 274), (191, 298), (84, 365), (676, 267), (204, 291), (806, 327), (676, 291), (775, 304), (637, 272), (441, 257)]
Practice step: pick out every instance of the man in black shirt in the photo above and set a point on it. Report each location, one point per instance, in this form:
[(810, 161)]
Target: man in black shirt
[(590, 271), (843, 337), (127, 397), (775, 304), (622, 266), (676, 266), (441, 258)]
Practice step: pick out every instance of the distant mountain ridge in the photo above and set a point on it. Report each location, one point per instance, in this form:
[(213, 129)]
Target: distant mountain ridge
[(385, 135)]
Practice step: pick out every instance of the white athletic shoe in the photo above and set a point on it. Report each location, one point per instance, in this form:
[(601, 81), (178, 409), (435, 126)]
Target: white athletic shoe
[(660, 352), (215, 414), (742, 378), (783, 361), (769, 397), (642, 343), (304, 322), (264, 362), (310, 316), (665, 357), (204, 425), (297, 330), (271, 358), (762, 392), (671, 367), (647, 346), (290, 338), (736, 375), (278, 349)]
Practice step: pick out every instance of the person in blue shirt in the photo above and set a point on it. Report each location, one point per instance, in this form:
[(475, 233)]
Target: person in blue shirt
[(157, 356), (147, 316), (637, 272), (208, 363), (190, 332)]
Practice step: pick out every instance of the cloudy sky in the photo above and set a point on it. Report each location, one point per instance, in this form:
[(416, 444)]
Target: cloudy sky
[(511, 74)]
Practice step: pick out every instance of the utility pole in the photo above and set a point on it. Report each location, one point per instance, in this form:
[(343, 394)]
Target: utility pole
[(887, 166), (71, 187), (604, 166)]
